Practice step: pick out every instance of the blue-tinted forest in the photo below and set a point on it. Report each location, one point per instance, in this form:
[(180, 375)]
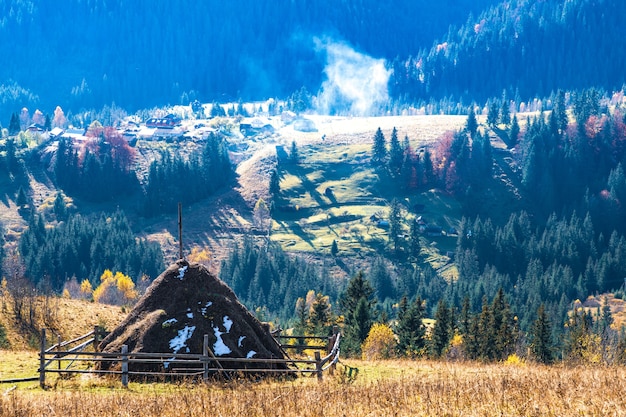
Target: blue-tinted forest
[(140, 54)]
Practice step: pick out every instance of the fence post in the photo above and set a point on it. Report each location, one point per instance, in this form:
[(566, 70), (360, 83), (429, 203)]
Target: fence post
[(59, 350), (42, 360), (125, 366), (205, 358), (318, 365), (96, 336)]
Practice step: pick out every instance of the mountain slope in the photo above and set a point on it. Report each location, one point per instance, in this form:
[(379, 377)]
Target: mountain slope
[(140, 54), (530, 48)]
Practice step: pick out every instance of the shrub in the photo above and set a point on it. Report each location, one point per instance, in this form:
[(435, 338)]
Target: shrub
[(380, 343)]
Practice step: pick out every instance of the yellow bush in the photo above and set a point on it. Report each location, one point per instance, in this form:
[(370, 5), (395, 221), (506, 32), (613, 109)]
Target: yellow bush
[(118, 289), (86, 289), (380, 343), (514, 360), (200, 255)]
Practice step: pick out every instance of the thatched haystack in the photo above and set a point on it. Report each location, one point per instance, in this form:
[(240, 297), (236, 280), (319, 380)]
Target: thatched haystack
[(182, 305)]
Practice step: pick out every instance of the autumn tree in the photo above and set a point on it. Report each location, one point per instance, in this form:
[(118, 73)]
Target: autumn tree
[(118, 289), (380, 343), (59, 119)]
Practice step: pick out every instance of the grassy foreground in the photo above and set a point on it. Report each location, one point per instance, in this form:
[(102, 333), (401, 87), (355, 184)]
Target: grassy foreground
[(390, 388)]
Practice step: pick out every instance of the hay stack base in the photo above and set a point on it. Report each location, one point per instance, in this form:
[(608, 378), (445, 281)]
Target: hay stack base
[(182, 305)]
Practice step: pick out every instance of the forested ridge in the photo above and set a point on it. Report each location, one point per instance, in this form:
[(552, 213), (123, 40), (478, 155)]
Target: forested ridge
[(142, 54)]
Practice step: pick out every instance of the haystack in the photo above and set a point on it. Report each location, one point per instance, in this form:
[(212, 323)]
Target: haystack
[(182, 305)]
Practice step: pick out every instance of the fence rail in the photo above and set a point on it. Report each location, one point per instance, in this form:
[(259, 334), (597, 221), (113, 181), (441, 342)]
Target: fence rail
[(179, 365)]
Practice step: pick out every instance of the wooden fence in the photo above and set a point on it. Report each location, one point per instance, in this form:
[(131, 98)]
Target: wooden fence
[(67, 355)]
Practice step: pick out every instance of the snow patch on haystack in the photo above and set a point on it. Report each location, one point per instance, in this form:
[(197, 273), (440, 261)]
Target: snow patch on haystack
[(180, 341)]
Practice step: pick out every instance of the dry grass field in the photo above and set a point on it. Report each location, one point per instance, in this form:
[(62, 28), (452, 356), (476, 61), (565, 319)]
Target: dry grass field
[(393, 388)]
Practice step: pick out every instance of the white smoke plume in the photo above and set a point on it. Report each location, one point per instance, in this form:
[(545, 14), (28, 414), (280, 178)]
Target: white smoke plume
[(356, 84)]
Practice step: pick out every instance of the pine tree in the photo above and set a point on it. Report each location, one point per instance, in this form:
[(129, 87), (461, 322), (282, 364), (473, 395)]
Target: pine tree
[(411, 331), (492, 114), (442, 331), (396, 153), (471, 125), (414, 239), (514, 132), (505, 111), (59, 208), (274, 187), (21, 199), (395, 224), (379, 149), (541, 344), (14, 125), (320, 320), (357, 305), (503, 326)]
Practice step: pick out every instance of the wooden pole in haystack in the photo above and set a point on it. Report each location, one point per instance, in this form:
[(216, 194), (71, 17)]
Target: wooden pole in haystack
[(180, 231)]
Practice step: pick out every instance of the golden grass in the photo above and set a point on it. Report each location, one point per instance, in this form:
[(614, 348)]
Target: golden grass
[(69, 319), (389, 388)]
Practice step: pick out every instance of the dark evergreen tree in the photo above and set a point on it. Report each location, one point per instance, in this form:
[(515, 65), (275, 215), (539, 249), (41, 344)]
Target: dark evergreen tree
[(274, 187), (442, 331), (379, 149), (357, 305), (471, 124), (59, 207), (505, 110), (334, 249), (396, 154), (541, 345), (14, 125), (21, 199), (410, 330), (514, 132), (320, 320), (492, 113), (395, 224)]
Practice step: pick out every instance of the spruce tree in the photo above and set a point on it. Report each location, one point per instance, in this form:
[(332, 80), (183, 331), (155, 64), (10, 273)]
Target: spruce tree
[(414, 239), (471, 125), (59, 208), (274, 187), (395, 224), (14, 125), (379, 149), (357, 305), (442, 331), (541, 344), (492, 114), (396, 153), (514, 132), (410, 330), (320, 316), (505, 111)]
